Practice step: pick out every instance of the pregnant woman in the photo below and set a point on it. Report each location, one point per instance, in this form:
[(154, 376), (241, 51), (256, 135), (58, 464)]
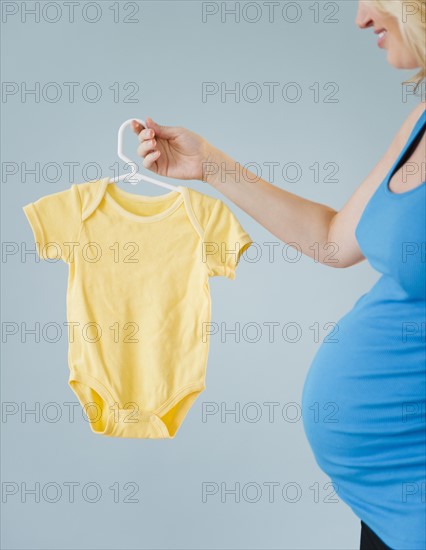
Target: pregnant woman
[(376, 373)]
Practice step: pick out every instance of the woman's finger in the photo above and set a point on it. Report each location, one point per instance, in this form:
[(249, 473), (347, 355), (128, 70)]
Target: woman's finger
[(143, 133), (149, 160), (146, 146), (137, 126)]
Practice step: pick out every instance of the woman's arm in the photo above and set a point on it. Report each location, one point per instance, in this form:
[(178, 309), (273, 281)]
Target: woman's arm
[(317, 229), (289, 217)]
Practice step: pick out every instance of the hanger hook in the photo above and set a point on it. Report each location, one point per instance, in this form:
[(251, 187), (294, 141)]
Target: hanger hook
[(133, 164), (120, 147)]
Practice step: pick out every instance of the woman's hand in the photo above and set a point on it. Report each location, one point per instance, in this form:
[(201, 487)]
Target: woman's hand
[(171, 151)]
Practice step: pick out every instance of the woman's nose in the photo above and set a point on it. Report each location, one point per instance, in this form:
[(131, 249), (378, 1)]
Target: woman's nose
[(363, 16)]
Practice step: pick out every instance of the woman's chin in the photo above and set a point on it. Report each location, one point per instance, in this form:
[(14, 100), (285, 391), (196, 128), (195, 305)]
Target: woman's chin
[(399, 63)]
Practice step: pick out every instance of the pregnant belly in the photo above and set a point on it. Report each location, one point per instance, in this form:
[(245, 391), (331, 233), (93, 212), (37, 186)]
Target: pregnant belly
[(363, 401)]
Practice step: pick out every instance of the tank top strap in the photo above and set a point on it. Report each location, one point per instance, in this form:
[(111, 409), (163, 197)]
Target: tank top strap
[(416, 132)]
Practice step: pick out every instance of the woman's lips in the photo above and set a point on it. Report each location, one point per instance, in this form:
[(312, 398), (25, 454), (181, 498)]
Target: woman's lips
[(382, 37)]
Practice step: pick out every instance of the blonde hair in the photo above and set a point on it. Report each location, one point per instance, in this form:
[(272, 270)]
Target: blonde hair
[(411, 17)]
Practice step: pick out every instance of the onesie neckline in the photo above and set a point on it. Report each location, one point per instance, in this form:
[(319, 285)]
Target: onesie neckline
[(143, 198)]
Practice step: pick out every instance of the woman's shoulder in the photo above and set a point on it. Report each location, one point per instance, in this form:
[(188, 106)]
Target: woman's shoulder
[(416, 113), (414, 116), (410, 121)]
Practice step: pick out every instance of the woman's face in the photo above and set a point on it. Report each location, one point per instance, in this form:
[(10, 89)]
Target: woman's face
[(388, 33)]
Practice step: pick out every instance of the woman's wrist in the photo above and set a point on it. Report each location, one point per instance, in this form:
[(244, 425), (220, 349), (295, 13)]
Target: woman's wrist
[(211, 166)]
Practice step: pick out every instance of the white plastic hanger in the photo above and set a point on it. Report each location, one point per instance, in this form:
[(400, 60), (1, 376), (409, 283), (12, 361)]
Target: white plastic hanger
[(134, 176)]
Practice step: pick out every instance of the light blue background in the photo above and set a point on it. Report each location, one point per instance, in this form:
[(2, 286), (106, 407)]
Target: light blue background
[(169, 52)]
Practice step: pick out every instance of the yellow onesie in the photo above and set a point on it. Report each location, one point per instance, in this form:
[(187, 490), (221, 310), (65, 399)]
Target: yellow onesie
[(138, 297)]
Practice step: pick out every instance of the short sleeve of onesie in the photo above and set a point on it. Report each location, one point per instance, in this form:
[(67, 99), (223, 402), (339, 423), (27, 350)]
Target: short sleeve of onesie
[(224, 242), (55, 221)]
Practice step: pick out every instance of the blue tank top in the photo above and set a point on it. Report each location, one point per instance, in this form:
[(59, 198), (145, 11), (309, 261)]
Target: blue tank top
[(364, 397)]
